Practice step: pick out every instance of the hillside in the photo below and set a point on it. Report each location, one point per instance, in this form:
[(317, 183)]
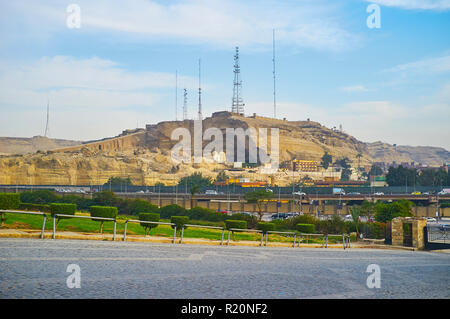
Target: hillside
[(144, 154), (23, 145)]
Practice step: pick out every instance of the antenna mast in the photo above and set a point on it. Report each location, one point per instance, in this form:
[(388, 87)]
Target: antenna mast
[(200, 117), (237, 105), (274, 79), (48, 115), (185, 105)]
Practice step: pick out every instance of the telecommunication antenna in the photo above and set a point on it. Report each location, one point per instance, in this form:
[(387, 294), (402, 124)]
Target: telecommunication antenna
[(274, 78), (185, 105), (48, 116), (200, 117), (237, 105)]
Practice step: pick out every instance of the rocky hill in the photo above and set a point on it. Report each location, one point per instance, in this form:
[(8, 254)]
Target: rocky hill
[(144, 154), (23, 145)]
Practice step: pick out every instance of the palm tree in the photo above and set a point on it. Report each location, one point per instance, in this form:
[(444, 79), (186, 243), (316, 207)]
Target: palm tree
[(195, 189)]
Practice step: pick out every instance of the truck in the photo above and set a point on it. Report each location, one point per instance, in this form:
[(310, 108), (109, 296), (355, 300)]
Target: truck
[(445, 191), (338, 191)]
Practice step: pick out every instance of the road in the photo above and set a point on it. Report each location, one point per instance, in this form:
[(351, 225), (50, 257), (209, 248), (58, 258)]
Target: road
[(33, 268)]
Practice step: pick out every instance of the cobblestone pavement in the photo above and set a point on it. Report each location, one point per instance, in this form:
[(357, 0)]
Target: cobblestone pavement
[(33, 268)]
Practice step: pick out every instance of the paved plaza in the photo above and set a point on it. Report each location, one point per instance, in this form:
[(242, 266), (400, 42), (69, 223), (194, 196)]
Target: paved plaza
[(33, 268)]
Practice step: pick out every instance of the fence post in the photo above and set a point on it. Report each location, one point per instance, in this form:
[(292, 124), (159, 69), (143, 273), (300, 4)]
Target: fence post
[(323, 241), (267, 235), (343, 241), (295, 237), (3, 219), (174, 234), (228, 240), (223, 233), (115, 227), (43, 226), (261, 242), (182, 231), (54, 227), (125, 231), (326, 241)]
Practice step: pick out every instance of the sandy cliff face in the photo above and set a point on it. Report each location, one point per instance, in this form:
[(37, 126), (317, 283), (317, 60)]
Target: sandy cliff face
[(145, 155), (18, 145)]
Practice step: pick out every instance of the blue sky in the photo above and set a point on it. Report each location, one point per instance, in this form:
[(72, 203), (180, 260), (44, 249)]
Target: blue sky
[(118, 70)]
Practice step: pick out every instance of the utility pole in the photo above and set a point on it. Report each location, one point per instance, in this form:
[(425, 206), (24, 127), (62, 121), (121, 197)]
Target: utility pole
[(176, 95), (185, 105), (48, 116)]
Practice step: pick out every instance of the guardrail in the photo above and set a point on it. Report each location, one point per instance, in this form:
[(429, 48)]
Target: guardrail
[(281, 232), (86, 217), (345, 239), (2, 212), (201, 226), (149, 222), (245, 230)]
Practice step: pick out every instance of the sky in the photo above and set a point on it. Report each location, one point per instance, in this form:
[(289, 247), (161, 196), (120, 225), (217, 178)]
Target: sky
[(117, 70)]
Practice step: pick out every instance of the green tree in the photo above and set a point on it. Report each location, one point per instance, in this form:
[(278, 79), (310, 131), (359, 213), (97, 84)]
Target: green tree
[(221, 177), (327, 159), (195, 179), (375, 170), (257, 197), (387, 211), (118, 181)]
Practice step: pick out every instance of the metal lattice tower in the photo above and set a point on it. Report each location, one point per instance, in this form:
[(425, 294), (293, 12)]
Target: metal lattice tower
[(200, 117), (185, 105), (48, 116), (176, 95), (237, 105)]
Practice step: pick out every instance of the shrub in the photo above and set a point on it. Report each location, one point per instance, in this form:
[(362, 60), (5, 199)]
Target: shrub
[(251, 220), (265, 226), (35, 207), (137, 206), (42, 196), (179, 221), (335, 225), (65, 209), (172, 210), (202, 213), (149, 217), (239, 224), (9, 201), (306, 228), (103, 212), (386, 212), (290, 223)]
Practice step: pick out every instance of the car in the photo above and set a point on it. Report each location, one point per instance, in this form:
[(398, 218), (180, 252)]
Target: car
[(426, 193), (210, 192), (299, 193), (416, 193), (431, 219), (354, 193), (379, 194)]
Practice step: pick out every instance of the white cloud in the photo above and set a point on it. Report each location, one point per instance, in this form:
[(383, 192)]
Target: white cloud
[(354, 88), (438, 5), (425, 66), (224, 23)]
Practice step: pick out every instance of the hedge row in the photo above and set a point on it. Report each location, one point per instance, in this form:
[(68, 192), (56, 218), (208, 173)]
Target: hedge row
[(149, 217), (9, 201), (306, 228), (65, 209), (239, 224), (103, 211), (35, 207), (265, 226)]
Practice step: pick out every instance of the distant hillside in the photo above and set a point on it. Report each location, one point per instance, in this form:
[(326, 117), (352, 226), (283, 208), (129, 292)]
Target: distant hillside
[(428, 155), (23, 145)]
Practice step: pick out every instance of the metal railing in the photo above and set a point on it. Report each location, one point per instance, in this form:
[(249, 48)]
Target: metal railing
[(2, 212), (149, 222), (202, 226), (245, 230), (283, 233), (86, 217)]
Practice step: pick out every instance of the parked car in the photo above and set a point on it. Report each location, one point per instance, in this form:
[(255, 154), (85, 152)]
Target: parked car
[(431, 219), (210, 192), (379, 194)]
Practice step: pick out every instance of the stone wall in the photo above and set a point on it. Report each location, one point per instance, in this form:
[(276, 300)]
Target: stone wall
[(418, 225)]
